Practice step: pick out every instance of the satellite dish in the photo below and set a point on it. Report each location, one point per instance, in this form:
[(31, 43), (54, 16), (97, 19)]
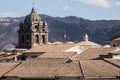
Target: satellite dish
[(8, 47)]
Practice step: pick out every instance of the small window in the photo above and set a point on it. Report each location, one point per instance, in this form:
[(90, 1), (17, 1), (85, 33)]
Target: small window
[(43, 29), (28, 38), (43, 39), (36, 27), (37, 38)]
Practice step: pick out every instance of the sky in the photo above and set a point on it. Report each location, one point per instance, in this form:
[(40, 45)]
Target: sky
[(88, 9)]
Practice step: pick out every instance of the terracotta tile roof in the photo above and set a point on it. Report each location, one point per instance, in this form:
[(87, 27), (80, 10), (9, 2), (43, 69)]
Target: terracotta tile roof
[(44, 68), (70, 42), (5, 67), (87, 43), (93, 53), (99, 68), (87, 54), (114, 62), (51, 48), (57, 55)]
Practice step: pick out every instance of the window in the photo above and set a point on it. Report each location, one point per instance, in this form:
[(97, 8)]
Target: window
[(43, 39), (43, 29), (28, 38), (36, 27), (22, 38), (37, 38)]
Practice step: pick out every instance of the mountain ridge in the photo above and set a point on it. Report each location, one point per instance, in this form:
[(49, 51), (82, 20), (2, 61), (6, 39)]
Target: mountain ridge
[(98, 30)]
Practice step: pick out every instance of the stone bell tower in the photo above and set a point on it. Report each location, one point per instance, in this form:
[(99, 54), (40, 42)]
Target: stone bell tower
[(33, 31)]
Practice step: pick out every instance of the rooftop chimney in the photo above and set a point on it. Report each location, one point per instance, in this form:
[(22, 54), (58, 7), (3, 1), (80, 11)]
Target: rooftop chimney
[(85, 37)]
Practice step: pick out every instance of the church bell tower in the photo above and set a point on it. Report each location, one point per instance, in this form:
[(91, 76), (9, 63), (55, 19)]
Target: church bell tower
[(33, 31)]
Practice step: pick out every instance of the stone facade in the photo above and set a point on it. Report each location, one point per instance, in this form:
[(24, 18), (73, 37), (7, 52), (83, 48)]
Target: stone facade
[(33, 31)]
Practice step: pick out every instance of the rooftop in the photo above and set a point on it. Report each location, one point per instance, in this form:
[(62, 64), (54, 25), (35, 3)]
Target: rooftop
[(6, 67), (46, 68), (57, 55), (51, 48), (100, 68), (88, 43), (93, 53), (51, 68)]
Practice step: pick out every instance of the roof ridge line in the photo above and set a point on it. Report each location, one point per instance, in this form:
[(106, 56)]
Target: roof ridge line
[(81, 68)]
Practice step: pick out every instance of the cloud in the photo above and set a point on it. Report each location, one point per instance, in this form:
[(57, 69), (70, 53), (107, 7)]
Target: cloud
[(117, 3), (98, 3), (68, 8), (8, 14)]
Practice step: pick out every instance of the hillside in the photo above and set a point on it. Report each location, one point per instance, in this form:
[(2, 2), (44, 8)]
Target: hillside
[(99, 31)]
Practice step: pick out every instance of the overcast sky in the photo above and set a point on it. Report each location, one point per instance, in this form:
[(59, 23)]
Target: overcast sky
[(88, 9)]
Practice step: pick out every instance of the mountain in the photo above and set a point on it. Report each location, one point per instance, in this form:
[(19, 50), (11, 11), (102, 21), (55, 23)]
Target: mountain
[(99, 31)]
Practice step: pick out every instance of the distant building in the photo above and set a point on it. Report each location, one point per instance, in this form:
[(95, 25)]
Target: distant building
[(33, 31), (115, 41)]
